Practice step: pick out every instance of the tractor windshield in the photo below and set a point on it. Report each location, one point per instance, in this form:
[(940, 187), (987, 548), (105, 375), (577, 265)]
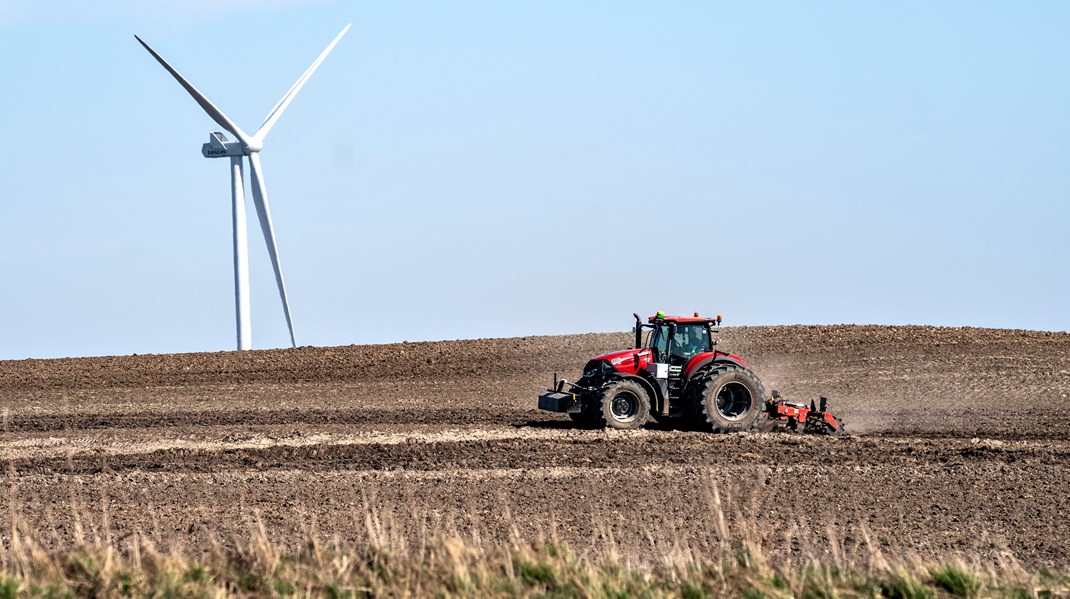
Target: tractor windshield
[(690, 339)]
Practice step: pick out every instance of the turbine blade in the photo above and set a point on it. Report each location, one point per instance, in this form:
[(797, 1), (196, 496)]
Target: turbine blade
[(217, 115), (263, 212), (288, 97)]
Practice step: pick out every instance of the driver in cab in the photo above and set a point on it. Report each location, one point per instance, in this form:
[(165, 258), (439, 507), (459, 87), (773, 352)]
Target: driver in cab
[(687, 343)]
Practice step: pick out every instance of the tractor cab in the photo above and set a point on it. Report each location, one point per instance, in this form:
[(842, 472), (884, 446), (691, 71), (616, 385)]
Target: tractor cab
[(675, 343), (674, 340)]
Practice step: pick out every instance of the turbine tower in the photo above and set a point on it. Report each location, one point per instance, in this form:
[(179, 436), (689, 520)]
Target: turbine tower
[(246, 145)]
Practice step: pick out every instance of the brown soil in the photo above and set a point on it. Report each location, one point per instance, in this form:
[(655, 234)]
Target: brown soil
[(957, 445)]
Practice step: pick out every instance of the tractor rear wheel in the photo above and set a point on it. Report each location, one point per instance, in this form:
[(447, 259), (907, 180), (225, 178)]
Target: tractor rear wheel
[(728, 399), (624, 405)]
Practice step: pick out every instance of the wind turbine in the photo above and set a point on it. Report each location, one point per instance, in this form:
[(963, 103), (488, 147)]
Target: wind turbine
[(220, 146)]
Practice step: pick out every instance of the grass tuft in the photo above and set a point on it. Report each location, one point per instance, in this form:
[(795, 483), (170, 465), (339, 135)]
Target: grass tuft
[(9, 588), (536, 573), (902, 585), (956, 580), (283, 587), (753, 593), (198, 573), (690, 590)]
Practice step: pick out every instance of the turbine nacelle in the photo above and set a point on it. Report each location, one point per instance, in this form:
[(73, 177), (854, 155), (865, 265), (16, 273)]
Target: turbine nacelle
[(219, 146)]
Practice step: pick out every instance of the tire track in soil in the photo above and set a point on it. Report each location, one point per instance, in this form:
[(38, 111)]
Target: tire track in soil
[(589, 451), (243, 418)]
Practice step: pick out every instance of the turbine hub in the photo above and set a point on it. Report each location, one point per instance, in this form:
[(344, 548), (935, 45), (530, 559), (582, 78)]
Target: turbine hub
[(254, 146)]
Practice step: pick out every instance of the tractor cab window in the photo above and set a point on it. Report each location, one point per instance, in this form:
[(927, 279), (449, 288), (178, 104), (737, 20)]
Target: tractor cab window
[(690, 339), (659, 342)]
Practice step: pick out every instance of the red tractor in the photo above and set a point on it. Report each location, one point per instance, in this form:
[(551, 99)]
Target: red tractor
[(678, 376)]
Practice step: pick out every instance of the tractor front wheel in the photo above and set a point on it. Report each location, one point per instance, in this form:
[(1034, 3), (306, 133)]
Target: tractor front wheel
[(624, 405)]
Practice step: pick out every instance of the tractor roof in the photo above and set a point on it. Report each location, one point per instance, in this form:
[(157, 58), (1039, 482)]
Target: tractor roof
[(683, 319)]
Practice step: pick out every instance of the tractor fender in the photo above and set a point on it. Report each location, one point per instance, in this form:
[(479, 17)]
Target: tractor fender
[(703, 362), (656, 399)]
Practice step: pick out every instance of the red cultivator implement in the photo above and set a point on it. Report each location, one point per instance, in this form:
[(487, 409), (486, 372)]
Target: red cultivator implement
[(797, 417)]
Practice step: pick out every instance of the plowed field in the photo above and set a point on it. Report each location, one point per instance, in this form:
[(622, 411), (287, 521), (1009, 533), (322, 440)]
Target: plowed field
[(957, 445)]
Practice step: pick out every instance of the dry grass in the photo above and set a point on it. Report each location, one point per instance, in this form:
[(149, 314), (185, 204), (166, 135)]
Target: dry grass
[(447, 563), (453, 567)]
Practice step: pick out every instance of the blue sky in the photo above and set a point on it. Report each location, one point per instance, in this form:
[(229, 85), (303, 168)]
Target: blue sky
[(484, 169)]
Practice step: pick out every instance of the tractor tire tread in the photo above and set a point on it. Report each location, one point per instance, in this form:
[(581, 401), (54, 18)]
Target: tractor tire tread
[(703, 407), (604, 408)]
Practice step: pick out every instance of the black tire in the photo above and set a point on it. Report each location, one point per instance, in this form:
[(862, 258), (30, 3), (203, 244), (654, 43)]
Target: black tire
[(624, 405), (728, 399)]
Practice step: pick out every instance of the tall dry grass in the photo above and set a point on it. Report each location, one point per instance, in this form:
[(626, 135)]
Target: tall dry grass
[(417, 555), (446, 560)]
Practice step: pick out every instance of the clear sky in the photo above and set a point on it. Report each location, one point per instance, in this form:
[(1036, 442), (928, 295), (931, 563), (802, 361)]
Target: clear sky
[(484, 169)]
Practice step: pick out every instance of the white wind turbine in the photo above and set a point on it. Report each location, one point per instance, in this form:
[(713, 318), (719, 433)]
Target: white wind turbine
[(219, 146)]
